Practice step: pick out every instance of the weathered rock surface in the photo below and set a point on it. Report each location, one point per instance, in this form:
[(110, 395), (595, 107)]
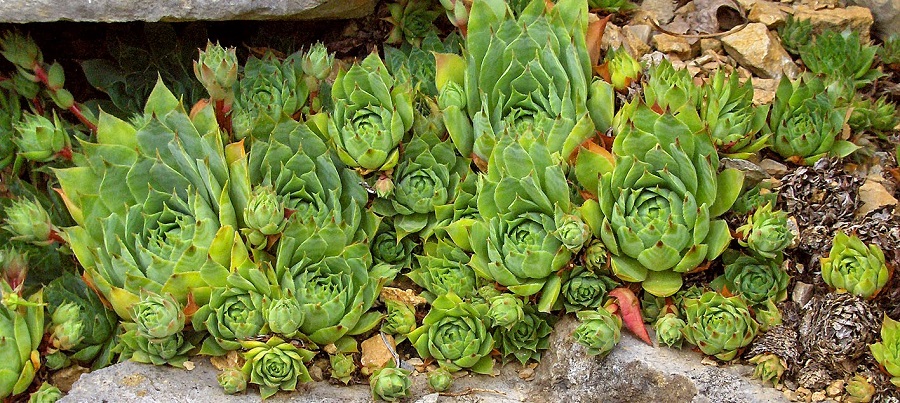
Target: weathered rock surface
[(859, 19), (633, 373), (886, 13), (757, 49), (21, 11)]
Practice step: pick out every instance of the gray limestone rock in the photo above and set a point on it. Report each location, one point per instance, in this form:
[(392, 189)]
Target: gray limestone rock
[(21, 11), (633, 373)]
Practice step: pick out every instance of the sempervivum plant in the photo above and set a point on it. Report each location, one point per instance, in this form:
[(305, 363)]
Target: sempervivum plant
[(411, 20), (79, 322), (390, 384), (388, 247), (235, 312), (28, 221), (720, 326), (505, 310), (425, 177), (443, 268), (755, 279), (887, 351), (455, 334), (150, 198), (270, 92), (155, 336), (519, 199), (523, 73), (766, 233), (852, 266), (840, 55), (805, 122), (669, 330), (657, 210), (584, 289), (372, 113), (21, 329), (275, 365), (598, 331), (795, 33), (734, 122), (668, 88), (526, 339), (336, 292), (321, 199)]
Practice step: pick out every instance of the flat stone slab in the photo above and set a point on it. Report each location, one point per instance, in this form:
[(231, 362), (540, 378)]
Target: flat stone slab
[(634, 372), (22, 11)]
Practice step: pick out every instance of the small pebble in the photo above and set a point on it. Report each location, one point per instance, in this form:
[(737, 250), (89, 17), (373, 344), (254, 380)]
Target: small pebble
[(526, 374), (818, 396), (836, 388)]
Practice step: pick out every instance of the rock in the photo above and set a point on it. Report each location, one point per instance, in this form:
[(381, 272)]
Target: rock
[(760, 51), (773, 167), (633, 372), (767, 13), (764, 90), (66, 377), (635, 39), (376, 354), (802, 293), (636, 372), (873, 196), (886, 13), (856, 18), (21, 11), (753, 173), (663, 11), (612, 37), (710, 45), (672, 44)]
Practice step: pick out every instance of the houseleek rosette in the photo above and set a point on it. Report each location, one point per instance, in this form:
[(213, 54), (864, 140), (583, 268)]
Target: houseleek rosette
[(455, 219), (755, 279), (766, 233), (599, 331), (284, 315), (336, 293), (342, 367), (522, 73), (855, 267), (232, 381), (322, 200), (47, 393), (151, 202), (28, 221), (371, 115), (887, 351), (425, 177), (734, 121), (217, 69), (41, 140), (444, 268), (720, 326), (400, 319), (584, 289), (238, 310), (455, 334), (670, 89), (270, 92), (769, 367), (157, 316), (90, 323), (805, 122), (390, 384), (439, 380), (275, 365), (21, 329), (657, 209), (520, 245), (388, 247), (506, 310), (264, 217), (172, 350), (526, 339), (669, 329), (841, 55)]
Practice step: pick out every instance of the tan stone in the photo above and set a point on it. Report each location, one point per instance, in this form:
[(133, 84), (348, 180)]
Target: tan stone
[(376, 354), (710, 45), (767, 13), (759, 50), (635, 38), (856, 18), (873, 195), (764, 90), (672, 44)]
